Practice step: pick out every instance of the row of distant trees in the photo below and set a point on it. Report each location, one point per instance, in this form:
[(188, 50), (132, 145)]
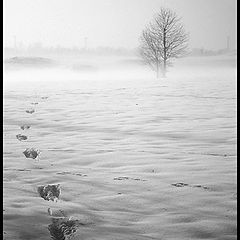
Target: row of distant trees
[(72, 51)]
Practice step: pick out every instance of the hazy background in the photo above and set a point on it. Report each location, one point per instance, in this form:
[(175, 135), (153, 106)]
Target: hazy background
[(94, 23)]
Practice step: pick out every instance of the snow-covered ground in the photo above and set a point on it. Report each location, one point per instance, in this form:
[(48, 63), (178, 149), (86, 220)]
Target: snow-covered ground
[(136, 157)]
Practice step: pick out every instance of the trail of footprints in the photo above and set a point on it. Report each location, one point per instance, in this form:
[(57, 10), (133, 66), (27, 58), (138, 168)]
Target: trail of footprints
[(180, 184), (62, 226)]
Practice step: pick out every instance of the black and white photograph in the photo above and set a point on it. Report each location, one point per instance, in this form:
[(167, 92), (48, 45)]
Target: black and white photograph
[(119, 119)]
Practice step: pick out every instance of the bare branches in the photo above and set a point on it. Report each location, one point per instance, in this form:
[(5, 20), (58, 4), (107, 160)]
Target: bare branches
[(163, 39), (149, 49)]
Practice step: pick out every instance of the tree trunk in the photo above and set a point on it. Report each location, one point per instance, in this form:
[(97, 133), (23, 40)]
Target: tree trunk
[(164, 68), (157, 70), (165, 53)]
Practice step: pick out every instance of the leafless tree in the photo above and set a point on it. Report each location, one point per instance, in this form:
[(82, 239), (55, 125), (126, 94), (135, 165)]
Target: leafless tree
[(162, 40)]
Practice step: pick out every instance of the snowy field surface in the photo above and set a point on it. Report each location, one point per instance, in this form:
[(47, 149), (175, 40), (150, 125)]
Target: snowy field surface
[(136, 157)]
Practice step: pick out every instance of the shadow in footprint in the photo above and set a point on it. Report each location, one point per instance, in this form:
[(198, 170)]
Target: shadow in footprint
[(30, 111), (61, 229), (31, 153), (50, 192), (179, 184), (56, 232), (21, 137)]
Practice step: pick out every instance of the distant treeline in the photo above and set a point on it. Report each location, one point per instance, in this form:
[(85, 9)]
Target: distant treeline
[(38, 50), (207, 52)]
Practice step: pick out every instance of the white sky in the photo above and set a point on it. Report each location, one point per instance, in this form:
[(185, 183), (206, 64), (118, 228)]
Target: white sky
[(114, 23)]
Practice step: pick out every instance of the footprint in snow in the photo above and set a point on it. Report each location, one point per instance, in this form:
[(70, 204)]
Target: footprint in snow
[(30, 111), (50, 192), (180, 184), (31, 153), (21, 137)]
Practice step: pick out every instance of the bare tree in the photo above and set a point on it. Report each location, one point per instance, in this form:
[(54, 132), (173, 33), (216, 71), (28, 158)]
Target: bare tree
[(163, 40)]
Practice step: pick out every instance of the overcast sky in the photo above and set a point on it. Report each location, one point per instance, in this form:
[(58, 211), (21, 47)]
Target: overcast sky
[(114, 23)]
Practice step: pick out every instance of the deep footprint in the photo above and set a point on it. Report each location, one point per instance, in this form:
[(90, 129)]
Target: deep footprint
[(21, 137), (61, 230), (62, 226), (50, 192), (30, 111), (179, 184), (31, 153)]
